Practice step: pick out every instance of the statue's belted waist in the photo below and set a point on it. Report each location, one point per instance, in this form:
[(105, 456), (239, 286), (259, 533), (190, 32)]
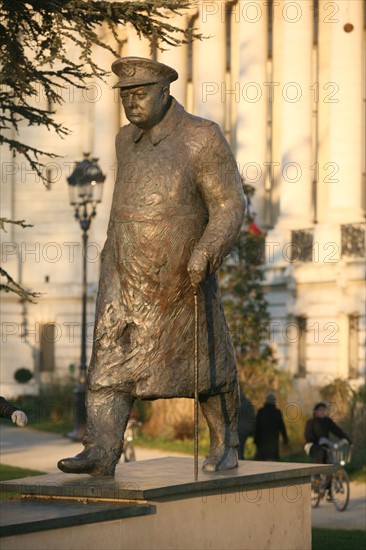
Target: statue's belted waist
[(126, 214)]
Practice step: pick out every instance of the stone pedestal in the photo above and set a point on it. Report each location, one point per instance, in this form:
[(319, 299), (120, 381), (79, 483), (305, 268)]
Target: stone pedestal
[(156, 504)]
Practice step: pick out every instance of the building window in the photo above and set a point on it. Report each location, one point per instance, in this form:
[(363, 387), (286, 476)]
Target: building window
[(315, 115), (47, 347), (269, 212), (301, 346), (50, 103), (228, 34), (190, 45), (270, 14), (49, 178), (191, 48), (154, 48), (353, 240), (230, 80), (353, 329), (302, 245), (315, 22)]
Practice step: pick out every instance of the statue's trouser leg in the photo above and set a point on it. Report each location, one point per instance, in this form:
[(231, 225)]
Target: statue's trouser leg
[(108, 412), (221, 414)]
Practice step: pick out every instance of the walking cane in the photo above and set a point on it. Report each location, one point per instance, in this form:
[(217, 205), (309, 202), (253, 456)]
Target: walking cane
[(196, 384)]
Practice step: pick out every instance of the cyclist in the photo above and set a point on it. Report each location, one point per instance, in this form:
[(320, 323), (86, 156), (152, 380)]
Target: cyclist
[(317, 428)]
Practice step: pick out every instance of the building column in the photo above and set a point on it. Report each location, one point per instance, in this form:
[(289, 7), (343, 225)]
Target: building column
[(340, 110), (105, 125), (249, 61), (137, 46), (177, 57), (209, 63), (292, 111)]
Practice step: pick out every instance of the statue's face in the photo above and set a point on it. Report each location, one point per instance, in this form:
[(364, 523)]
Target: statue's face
[(146, 105)]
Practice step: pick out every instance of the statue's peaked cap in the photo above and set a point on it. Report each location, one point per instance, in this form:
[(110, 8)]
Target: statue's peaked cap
[(137, 71)]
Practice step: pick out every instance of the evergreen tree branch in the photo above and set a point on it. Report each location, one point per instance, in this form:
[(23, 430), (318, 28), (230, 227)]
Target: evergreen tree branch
[(36, 39), (47, 46)]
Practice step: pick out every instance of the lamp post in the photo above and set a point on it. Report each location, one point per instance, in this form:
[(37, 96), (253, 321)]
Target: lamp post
[(85, 187)]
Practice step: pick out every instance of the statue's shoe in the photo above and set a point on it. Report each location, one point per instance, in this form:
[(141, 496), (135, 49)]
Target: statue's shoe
[(90, 461), (225, 458)]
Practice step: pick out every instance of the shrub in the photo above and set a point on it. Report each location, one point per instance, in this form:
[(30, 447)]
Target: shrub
[(53, 409), (23, 375)]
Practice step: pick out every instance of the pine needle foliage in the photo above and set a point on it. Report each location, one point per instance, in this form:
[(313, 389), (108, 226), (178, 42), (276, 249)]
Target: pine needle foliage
[(47, 46), (38, 41)]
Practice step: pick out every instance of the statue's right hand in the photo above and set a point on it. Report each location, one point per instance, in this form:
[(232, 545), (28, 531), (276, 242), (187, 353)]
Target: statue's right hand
[(197, 267)]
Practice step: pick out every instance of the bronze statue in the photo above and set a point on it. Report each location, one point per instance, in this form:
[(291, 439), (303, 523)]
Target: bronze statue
[(177, 209)]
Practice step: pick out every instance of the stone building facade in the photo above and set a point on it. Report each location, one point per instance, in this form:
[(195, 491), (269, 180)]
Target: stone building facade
[(285, 81)]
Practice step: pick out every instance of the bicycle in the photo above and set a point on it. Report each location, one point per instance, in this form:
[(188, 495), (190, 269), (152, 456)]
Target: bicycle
[(338, 454), (128, 451)]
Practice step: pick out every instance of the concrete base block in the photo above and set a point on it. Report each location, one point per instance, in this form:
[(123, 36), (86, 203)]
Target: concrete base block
[(156, 504)]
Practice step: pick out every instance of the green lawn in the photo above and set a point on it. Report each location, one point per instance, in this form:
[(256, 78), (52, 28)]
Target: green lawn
[(354, 473), (358, 475), (56, 427), (175, 446), (338, 539), (60, 428), (11, 472)]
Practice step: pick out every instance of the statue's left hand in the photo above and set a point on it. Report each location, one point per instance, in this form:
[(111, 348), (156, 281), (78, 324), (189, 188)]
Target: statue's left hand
[(197, 267)]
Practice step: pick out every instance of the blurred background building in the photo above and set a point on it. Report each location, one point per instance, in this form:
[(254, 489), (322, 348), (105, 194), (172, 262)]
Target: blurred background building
[(286, 82)]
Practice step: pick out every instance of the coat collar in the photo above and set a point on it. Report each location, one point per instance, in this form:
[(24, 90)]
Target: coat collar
[(164, 128)]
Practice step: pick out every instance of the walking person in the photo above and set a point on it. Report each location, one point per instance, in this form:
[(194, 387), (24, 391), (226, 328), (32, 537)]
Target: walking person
[(246, 423), (268, 427)]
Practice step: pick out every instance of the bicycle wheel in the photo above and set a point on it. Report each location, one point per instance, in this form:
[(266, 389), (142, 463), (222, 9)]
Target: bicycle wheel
[(315, 491), (129, 453), (340, 489)]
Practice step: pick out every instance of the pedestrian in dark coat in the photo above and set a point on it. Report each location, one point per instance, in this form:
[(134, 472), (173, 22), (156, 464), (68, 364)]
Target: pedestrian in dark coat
[(268, 427), (246, 423)]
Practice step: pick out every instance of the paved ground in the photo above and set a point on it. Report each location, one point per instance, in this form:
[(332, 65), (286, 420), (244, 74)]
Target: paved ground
[(27, 448), (37, 450), (354, 517)]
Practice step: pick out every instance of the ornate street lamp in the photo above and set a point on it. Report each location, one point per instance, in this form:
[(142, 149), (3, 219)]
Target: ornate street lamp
[(85, 187)]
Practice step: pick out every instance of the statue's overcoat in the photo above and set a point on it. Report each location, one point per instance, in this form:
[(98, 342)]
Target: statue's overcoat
[(177, 188)]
